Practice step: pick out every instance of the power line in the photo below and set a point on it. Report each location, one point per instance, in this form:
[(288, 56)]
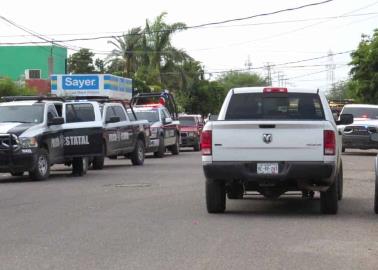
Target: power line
[(169, 30)]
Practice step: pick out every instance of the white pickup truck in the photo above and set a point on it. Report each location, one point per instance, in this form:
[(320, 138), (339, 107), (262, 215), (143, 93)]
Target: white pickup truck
[(273, 140)]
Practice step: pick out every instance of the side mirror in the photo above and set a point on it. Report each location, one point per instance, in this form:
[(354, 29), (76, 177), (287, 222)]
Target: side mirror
[(167, 120), (113, 119), (345, 119), (55, 121)]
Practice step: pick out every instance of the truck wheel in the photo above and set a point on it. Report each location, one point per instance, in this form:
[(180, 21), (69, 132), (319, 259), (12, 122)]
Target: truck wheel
[(376, 195), (98, 162), (161, 151), (329, 200), (17, 174), (137, 156), (197, 146), (42, 168), (175, 149), (215, 196), (343, 149), (79, 166), (340, 182)]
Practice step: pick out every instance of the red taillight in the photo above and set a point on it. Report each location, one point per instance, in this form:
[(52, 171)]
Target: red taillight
[(206, 142), (275, 90), (329, 143)]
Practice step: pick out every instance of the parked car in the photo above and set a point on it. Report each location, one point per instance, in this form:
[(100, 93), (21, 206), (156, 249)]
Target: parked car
[(358, 135), (273, 140), (165, 132), (120, 134), (190, 131)]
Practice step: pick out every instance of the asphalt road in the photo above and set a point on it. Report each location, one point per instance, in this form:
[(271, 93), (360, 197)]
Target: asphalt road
[(154, 217)]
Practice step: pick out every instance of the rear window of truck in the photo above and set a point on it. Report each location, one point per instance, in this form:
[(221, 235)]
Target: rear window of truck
[(288, 106), (80, 113)]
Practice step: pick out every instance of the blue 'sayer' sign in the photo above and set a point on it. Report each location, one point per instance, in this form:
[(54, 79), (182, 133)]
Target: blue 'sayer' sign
[(87, 82)]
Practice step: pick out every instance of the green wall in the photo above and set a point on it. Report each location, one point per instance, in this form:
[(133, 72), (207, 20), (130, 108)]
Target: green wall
[(15, 59)]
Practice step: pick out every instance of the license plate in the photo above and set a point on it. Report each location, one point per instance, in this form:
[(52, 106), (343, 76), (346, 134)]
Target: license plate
[(267, 168)]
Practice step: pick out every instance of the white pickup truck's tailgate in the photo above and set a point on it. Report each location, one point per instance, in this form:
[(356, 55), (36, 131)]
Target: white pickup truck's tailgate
[(291, 141)]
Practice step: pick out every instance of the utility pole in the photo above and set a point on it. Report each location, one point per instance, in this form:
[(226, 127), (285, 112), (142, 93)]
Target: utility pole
[(268, 68), (248, 63), (51, 60), (330, 70)]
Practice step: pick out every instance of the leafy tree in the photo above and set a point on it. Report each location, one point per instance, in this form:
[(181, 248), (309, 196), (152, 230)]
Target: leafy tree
[(158, 44), (128, 50), (340, 90), (241, 79), (100, 66), (10, 88), (365, 69), (81, 62)]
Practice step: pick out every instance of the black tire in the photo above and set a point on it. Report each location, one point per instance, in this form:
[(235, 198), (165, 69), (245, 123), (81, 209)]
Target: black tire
[(17, 174), (215, 196), (113, 157), (329, 200), (376, 195), (137, 156), (42, 168), (161, 150), (340, 188), (175, 149), (79, 166), (98, 162), (343, 149), (197, 146)]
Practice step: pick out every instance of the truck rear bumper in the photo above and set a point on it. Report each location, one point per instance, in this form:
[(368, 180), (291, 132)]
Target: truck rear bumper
[(303, 173)]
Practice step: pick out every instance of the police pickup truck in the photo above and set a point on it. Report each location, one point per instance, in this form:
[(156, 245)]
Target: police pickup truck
[(121, 134), (273, 140), (34, 136)]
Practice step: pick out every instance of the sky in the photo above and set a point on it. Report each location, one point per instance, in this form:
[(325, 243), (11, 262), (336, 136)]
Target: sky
[(251, 44)]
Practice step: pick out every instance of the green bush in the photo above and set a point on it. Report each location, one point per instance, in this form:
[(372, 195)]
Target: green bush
[(10, 88)]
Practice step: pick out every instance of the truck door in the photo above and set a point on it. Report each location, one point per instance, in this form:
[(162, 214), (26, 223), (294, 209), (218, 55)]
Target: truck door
[(127, 134), (54, 137), (111, 130), (82, 129)]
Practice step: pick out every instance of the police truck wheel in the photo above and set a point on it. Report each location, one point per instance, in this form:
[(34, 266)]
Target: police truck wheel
[(329, 200), (98, 162), (137, 156), (175, 149), (79, 166), (42, 168), (215, 196), (161, 150), (376, 195)]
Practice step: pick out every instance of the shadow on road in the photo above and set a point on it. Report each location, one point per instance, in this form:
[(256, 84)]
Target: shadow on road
[(360, 153), (296, 207)]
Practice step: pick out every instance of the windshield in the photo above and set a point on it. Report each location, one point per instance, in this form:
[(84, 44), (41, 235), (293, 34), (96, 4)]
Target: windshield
[(22, 113), (361, 112), (187, 121), (150, 116), (258, 106)]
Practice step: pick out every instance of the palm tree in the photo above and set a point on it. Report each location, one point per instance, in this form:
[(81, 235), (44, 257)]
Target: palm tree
[(158, 40), (128, 50)]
